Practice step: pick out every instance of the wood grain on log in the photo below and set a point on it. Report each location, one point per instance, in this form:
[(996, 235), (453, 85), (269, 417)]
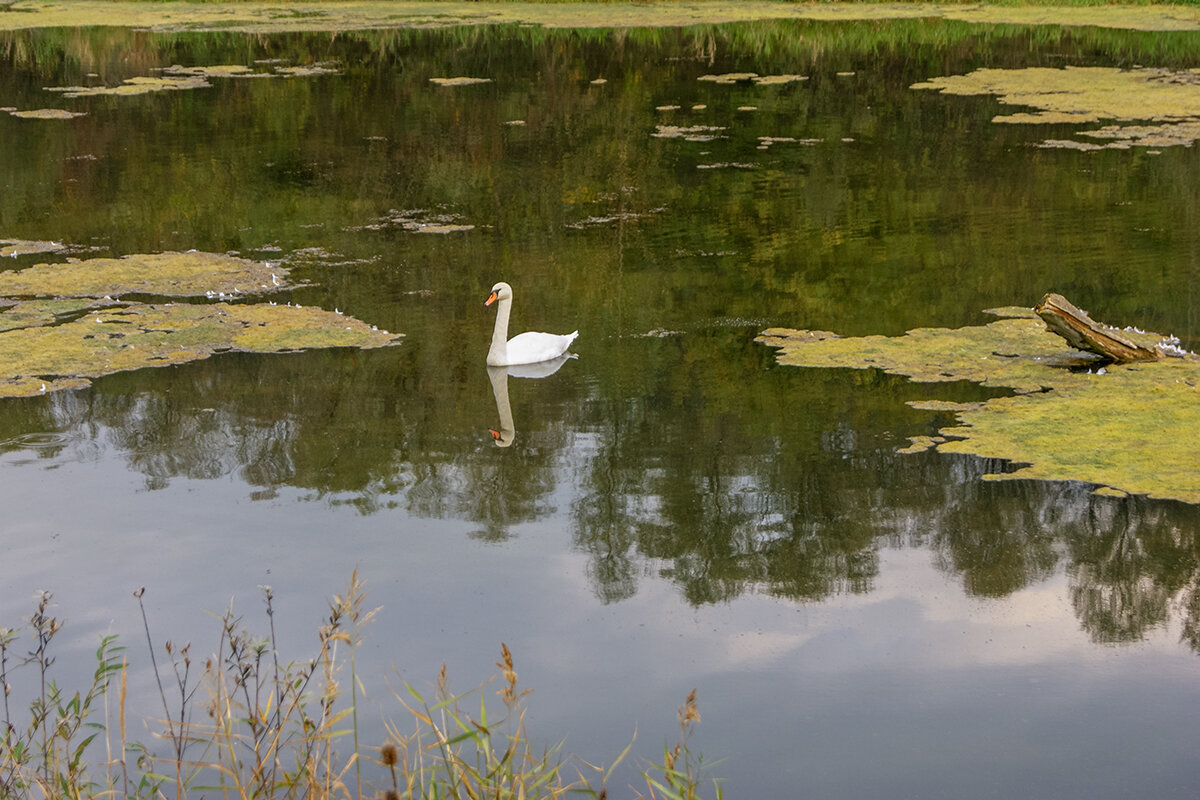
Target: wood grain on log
[(1084, 333)]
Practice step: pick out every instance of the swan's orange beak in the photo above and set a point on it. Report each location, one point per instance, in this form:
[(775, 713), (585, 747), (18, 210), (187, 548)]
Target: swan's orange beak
[(495, 434), (491, 299)]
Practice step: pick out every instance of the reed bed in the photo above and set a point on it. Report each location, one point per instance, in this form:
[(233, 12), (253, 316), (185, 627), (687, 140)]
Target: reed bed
[(241, 723)]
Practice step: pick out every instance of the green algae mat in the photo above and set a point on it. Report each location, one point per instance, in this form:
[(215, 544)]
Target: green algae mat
[(1128, 428), (1166, 102), (63, 324), (261, 17)]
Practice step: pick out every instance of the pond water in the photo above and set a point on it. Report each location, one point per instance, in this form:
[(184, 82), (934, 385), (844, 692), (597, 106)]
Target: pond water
[(675, 511)]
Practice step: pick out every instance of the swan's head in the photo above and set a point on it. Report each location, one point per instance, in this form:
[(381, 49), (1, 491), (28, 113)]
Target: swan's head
[(501, 291)]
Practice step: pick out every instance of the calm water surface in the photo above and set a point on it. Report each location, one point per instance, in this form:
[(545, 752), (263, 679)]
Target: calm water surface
[(675, 511)]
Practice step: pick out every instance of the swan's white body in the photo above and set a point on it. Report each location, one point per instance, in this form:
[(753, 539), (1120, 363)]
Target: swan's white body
[(524, 348)]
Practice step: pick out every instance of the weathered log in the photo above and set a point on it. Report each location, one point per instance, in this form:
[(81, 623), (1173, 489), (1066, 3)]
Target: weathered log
[(1084, 333)]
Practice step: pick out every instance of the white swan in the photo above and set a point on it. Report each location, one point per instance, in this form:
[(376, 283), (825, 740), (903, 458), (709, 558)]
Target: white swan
[(524, 348)]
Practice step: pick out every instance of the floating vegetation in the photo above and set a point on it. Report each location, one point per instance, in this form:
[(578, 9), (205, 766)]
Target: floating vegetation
[(34, 313), (191, 274), (177, 78), (71, 330), (138, 335), (776, 80), (220, 71), (136, 85), (727, 165), (308, 70), (48, 113), (438, 227), (729, 77), (1079, 95), (11, 248), (459, 81), (690, 133), (752, 77), (417, 221), (621, 216), (765, 142), (1069, 420)]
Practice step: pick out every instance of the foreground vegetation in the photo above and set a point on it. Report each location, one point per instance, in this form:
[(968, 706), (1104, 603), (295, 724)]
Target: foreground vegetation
[(240, 723)]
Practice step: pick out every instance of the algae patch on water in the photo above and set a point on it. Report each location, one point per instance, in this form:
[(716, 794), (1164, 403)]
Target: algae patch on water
[(68, 329), (178, 78), (1167, 101), (48, 113), (1129, 427), (11, 248), (141, 84), (191, 274), (137, 335), (459, 81)]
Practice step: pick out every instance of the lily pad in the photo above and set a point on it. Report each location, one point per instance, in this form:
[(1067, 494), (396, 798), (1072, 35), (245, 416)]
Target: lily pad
[(191, 274), (41, 359), (1128, 427), (1168, 98)]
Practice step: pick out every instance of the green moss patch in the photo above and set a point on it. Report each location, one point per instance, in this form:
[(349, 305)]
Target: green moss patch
[(69, 329), (460, 81), (48, 113), (41, 359), (1128, 427), (190, 274), (141, 84), (1170, 99), (11, 248), (729, 78), (35, 313)]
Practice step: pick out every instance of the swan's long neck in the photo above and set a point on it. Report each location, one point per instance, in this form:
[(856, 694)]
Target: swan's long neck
[(498, 352)]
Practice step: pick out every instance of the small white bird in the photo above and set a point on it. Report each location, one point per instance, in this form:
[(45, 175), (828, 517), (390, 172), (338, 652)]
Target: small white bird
[(524, 348)]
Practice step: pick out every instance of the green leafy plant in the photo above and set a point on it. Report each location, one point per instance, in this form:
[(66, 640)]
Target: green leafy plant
[(47, 756), (246, 724)]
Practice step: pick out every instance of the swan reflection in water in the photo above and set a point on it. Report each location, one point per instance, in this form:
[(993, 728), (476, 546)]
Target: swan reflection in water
[(499, 378)]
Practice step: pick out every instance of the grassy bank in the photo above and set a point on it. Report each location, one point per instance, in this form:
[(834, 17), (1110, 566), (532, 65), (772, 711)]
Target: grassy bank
[(243, 723), (255, 16)]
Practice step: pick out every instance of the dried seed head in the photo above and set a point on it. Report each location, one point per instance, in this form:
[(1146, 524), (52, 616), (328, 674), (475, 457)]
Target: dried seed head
[(389, 755)]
